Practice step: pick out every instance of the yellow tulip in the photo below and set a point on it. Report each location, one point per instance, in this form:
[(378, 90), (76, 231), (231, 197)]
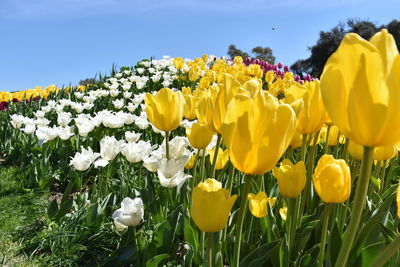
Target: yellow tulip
[(257, 131), (258, 204), (229, 87), (206, 106), (297, 140), (179, 63), (313, 114), (222, 158), (360, 88), (356, 150), (283, 213), (334, 135), (332, 179), (270, 76), (291, 178), (385, 152), (211, 205), (165, 109), (199, 135), (190, 164)]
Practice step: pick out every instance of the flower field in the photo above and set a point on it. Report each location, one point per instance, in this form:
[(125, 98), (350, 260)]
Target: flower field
[(215, 162)]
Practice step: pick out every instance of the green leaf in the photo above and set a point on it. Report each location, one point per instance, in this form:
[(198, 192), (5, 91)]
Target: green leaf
[(156, 260), (191, 235), (335, 244), (165, 233), (65, 208), (52, 210), (260, 255)]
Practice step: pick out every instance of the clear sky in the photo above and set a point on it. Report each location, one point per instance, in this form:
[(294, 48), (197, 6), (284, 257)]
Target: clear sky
[(60, 42)]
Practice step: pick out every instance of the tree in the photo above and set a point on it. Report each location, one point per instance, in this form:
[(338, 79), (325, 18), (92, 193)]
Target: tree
[(87, 81), (329, 41), (259, 52), (263, 53), (233, 52)]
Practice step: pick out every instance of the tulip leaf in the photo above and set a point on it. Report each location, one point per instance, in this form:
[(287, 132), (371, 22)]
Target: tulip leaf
[(335, 244), (369, 253), (52, 210), (165, 233), (310, 257), (65, 207), (191, 235), (260, 255), (156, 260), (303, 235)]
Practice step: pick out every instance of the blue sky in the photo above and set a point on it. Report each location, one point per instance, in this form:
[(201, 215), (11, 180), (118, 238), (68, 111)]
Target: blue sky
[(60, 42)]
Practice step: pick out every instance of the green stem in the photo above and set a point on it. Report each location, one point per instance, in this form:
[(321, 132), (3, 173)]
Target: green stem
[(358, 206), (203, 156), (291, 220), (210, 257), (167, 145), (383, 179), (214, 162), (324, 234), (385, 255), (327, 139), (239, 222), (136, 243)]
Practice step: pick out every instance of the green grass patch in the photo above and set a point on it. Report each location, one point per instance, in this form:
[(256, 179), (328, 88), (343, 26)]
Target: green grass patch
[(21, 212)]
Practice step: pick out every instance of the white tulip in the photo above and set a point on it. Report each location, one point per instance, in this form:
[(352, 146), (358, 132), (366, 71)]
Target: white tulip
[(135, 152), (81, 161), (132, 136), (171, 172), (130, 213), (109, 148)]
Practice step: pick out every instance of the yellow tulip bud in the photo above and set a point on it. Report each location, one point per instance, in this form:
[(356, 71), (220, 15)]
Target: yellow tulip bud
[(211, 205), (360, 88), (222, 158), (283, 213), (356, 150), (291, 178), (238, 60), (204, 57), (165, 109), (257, 131), (334, 135), (190, 164), (258, 204), (332, 179), (179, 63), (297, 140), (199, 135), (385, 152), (269, 76)]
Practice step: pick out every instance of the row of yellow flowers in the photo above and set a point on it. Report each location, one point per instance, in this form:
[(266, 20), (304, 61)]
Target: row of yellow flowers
[(38, 91)]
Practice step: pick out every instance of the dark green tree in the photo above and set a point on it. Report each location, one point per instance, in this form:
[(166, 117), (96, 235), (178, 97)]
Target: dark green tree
[(259, 52), (329, 41), (233, 52)]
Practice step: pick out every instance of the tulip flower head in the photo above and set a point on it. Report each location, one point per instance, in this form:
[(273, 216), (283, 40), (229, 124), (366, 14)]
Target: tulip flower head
[(165, 109), (360, 89), (332, 179), (291, 178), (257, 131), (258, 204), (199, 135), (211, 205), (130, 213), (222, 158)]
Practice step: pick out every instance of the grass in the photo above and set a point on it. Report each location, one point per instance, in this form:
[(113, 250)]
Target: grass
[(21, 212)]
